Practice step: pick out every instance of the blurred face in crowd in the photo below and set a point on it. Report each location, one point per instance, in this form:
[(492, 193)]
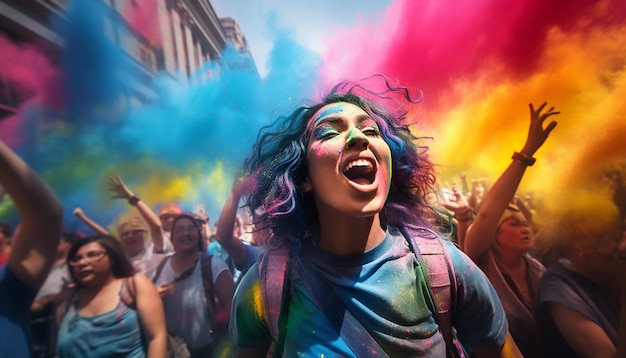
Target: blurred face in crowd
[(515, 234), (134, 241), (166, 221), (185, 235), (91, 264)]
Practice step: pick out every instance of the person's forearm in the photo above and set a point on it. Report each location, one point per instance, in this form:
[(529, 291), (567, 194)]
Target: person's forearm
[(482, 233), (461, 231), (157, 347), (225, 229), (148, 215), (153, 221), (93, 225), (35, 240), (31, 195)]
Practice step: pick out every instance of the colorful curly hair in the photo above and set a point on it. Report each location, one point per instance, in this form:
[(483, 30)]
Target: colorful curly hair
[(278, 165)]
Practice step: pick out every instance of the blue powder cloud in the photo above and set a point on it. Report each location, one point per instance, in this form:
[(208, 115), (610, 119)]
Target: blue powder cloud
[(213, 117)]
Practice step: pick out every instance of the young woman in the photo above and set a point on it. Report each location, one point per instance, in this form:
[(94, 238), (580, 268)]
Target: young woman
[(500, 238), (339, 184), (111, 311), (194, 308)]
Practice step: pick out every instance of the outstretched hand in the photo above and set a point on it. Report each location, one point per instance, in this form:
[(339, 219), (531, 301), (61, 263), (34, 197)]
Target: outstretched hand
[(242, 185), (457, 202), (537, 134), (78, 212), (117, 186)]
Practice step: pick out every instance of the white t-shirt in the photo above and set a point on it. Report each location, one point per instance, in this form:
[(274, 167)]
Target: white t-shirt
[(185, 309)]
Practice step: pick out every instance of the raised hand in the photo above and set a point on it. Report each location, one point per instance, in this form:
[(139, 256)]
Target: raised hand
[(166, 288), (457, 202), (116, 185), (537, 134)]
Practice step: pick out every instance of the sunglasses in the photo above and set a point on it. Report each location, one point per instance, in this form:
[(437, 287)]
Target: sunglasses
[(90, 257)]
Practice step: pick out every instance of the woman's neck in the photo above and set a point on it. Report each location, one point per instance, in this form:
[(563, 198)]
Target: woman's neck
[(343, 235), (98, 286), (183, 259), (512, 260)]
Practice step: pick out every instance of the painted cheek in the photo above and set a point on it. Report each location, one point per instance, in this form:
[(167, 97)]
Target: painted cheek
[(389, 167)]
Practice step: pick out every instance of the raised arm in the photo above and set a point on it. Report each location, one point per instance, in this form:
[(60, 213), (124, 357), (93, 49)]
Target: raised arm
[(36, 238), (117, 186), (78, 212), (226, 224), (463, 213), (482, 233)]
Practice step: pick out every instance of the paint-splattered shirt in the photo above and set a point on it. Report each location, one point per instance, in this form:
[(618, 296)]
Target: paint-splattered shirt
[(384, 290)]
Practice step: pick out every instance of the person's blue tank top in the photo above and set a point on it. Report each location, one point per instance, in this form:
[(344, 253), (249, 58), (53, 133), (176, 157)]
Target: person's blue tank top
[(116, 333)]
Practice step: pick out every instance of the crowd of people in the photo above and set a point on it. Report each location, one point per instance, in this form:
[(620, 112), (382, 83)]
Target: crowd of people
[(348, 247)]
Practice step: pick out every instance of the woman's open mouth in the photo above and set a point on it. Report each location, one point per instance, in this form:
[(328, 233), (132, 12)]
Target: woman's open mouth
[(360, 171)]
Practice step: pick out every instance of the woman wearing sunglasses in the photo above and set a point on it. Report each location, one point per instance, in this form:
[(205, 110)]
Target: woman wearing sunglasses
[(112, 311)]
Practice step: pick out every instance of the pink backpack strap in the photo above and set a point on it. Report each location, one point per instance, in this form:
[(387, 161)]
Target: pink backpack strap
[(429, 247), (273, 276)]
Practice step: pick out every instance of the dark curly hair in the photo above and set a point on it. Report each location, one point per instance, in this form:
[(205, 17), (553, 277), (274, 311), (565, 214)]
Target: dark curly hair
[(277, 168)]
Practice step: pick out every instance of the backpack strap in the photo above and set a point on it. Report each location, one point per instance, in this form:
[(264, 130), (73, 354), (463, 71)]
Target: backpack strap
[(212, 301), (427, 246), (437, 267), (159, 269), (275, 286), (128, 293)]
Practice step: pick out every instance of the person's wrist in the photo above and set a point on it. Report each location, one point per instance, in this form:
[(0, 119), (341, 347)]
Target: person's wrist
[(523, 158), (466, 215), (133, 200)]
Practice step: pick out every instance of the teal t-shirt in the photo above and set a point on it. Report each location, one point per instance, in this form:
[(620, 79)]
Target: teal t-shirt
[(384, 290)]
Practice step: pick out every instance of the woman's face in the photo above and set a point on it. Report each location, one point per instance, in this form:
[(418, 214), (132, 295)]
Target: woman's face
[(91, 264), (134, 241), (348, 162), (185, 235), (514, 234)]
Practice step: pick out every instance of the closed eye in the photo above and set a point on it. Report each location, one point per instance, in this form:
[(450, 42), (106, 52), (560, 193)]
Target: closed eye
[(325, 132), (371, 132)]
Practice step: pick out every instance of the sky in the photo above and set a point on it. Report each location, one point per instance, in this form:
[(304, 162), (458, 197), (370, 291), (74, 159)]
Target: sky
[(312, 22), (475, 65)]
